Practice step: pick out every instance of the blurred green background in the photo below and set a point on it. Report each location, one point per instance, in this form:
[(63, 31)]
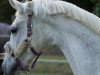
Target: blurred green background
[(52, 62), (43, 66), (49, 65)]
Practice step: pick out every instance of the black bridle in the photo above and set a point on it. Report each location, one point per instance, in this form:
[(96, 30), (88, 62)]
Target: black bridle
[(18, 62)]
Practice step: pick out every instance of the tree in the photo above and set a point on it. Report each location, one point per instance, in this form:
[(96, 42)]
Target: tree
[(5, 11), (85, 4)]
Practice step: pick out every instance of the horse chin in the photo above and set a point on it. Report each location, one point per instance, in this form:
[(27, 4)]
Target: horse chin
[(9, 71), (9, 68)]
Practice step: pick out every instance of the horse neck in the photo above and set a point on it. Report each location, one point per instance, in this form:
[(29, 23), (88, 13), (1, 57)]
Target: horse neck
[(59, 25), (78, 43)]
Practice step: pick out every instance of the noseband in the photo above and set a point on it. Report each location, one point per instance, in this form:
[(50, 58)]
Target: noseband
[(22, 48)]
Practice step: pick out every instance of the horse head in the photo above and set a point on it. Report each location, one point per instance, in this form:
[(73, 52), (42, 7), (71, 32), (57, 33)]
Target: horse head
[(18, 35)]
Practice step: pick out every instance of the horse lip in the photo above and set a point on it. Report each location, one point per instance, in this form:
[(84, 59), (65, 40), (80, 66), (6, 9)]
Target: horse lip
[(10, 72)]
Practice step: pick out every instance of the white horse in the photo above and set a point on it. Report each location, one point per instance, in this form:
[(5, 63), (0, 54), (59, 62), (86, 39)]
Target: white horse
[(73, 30)]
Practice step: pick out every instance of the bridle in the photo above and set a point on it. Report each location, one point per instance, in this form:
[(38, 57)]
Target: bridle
[(29, 33), (22, 48)]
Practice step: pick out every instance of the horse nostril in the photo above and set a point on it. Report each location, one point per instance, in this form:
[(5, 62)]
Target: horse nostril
[(13, 55), (13, 29)]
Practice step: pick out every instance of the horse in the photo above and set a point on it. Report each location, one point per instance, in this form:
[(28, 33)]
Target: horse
[(4, 37), (73, 30)]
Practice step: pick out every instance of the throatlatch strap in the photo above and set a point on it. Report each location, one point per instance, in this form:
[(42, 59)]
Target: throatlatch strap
[(38, 55)]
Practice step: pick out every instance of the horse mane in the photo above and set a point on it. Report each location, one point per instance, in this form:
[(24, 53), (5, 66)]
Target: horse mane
[(57, 7)]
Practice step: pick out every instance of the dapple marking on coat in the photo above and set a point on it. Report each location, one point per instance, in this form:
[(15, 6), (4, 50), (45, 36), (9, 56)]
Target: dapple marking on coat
[(73, 30)]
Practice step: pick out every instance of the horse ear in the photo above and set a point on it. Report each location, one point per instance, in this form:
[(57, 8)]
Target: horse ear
[(16, 5)]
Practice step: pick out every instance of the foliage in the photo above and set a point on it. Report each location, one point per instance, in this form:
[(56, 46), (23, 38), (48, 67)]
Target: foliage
[(97, 9), (6, 11)]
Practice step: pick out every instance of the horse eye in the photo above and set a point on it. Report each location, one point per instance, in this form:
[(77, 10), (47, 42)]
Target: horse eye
[(13, 29)]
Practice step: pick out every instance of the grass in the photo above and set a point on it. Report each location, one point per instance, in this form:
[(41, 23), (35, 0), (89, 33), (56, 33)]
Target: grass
[(40, 74), (44, 68), (53, 57)]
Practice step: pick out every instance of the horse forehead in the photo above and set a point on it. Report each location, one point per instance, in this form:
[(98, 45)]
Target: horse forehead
[(20, 14), (20, 17)]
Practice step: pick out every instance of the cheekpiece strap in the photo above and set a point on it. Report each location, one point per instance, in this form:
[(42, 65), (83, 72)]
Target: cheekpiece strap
[(29, 25)]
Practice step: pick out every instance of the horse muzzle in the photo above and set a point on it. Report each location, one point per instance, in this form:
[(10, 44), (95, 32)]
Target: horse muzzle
[(8, 65)]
